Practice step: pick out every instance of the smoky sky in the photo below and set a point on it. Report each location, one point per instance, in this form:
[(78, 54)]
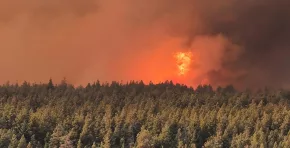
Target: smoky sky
[(261, 28), (244, 43)]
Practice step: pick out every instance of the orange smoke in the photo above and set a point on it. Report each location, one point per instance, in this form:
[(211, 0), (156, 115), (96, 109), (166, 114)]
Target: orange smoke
[(104, 40)]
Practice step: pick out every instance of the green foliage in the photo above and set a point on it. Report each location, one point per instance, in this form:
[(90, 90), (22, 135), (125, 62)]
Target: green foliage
[(144, 139), (22, 142), (137, 115), (13, 142)]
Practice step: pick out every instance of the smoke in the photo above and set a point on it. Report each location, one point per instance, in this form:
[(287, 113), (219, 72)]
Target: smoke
[(260, 28), (236, 42)]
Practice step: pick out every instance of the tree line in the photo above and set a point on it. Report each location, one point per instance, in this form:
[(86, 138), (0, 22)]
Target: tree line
[(138, 115)]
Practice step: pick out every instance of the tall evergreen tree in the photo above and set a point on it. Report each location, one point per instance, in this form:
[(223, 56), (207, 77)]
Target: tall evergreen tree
[(22, 142)]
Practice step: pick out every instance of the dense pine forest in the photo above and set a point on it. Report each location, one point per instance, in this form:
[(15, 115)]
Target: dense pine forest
[(135, 115)]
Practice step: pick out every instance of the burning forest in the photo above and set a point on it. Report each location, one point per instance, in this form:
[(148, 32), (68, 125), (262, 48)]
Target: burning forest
[(144, 74), (244, 43)]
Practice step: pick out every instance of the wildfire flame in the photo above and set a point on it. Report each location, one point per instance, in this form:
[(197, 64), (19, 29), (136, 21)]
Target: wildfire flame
[(183, 60)]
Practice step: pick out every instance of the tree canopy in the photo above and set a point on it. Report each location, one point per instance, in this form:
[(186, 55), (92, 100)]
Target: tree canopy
[(163, 115)]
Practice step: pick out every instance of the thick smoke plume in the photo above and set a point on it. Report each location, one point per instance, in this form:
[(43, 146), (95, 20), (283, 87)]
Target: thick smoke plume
[(244, 43)]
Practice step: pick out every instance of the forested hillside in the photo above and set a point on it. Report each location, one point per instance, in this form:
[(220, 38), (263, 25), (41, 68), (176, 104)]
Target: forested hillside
[(137, 115)]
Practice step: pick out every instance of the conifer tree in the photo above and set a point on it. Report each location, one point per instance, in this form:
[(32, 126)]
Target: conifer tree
[(22, 142), (13, 142), (79, 144), (144, 139), (56, 137)]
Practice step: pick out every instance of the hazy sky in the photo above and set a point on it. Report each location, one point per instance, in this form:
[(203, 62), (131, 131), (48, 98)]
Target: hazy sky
[(244, 43)]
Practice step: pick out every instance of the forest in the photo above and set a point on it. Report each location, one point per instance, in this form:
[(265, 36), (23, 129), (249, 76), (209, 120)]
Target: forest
[(138, 115)]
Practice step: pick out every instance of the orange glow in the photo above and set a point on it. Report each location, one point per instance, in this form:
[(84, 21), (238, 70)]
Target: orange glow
[(183, 60)]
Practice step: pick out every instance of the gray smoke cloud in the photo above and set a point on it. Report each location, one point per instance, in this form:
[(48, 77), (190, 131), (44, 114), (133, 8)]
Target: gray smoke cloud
[(261, 28)]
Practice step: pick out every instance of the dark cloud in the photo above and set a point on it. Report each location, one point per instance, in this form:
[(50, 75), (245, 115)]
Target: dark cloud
[(261, 28)]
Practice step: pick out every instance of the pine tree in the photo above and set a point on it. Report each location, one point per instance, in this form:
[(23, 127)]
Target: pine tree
[(13, 142), (47, 140), (181, 144), (56, 136), (22, 142), (286, 141), (85, 135), (144, 139), (214, 141), (5, 136), (67, 142), (108, 121), (79, 145), (168, 135), (122, 142), (107, 139), (50, 84)]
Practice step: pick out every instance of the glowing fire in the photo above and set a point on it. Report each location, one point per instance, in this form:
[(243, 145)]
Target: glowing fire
[(183, 60)]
